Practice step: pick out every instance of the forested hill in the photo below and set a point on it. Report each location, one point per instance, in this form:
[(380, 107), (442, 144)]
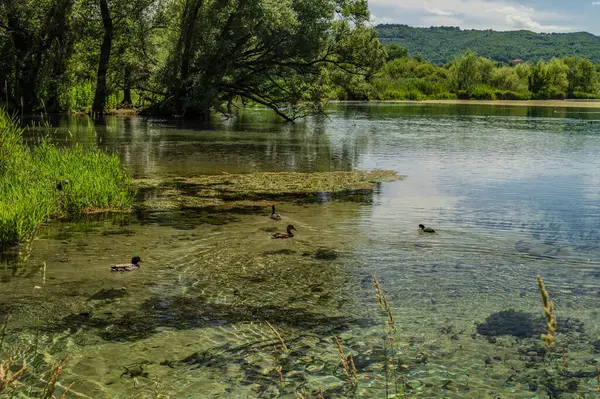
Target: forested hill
[(441, 44)]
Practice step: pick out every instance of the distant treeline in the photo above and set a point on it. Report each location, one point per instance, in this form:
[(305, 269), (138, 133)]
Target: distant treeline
[(470, 76), (441, 45)]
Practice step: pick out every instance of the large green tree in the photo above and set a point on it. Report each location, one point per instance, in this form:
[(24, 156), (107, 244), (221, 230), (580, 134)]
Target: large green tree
[(270, 52)]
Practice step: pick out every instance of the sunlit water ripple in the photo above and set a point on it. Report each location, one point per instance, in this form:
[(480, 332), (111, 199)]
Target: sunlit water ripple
[(511, 192)]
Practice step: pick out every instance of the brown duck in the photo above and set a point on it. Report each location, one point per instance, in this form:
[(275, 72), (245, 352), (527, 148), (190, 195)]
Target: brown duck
[(426, 229), (275, 215), (289, 233), (134, 265)]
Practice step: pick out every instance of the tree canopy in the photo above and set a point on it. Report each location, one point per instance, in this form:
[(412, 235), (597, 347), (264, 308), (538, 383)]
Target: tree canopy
[(186, 57)]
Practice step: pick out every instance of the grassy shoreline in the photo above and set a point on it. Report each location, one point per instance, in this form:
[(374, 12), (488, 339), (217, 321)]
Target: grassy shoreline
[(512, 103), (29, 192)]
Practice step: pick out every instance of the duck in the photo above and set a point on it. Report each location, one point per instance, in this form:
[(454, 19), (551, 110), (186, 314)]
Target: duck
[(289, 233), (61, 184), (134, 265), (426, 229), (275, 215)]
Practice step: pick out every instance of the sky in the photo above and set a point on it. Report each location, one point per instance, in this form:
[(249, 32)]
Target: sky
[(534, 15)]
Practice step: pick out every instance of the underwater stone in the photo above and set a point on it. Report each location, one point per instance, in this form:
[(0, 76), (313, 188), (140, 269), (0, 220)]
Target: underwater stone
[(524, 325)]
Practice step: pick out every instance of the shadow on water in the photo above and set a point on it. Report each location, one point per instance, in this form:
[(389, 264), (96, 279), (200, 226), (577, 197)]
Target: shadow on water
[(182, 313)]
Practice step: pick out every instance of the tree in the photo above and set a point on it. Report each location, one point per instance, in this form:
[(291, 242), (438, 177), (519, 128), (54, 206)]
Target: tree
[(464, 71), (581, 75), (395, 51), (101, 87), (269, 52)]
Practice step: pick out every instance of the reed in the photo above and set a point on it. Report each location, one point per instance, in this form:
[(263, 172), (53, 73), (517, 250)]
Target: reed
[(48, 391), (347, 364), (564, 358), (283, 345), (549, 338), (29, 177), (598, 377)]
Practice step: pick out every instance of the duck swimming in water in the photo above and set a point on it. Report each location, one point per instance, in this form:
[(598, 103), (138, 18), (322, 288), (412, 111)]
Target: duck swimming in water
[(275, 215), (289, 233), (426, 229), (134, 265)]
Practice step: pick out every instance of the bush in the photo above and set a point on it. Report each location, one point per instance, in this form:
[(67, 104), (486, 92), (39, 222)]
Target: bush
[(29, 178), (482, 93), (585, 96)]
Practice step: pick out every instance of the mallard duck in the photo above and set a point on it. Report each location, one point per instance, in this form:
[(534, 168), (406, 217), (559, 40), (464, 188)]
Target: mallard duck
[(289, 233), (275, 215), (134, 265), (426, 229), (61, 184)]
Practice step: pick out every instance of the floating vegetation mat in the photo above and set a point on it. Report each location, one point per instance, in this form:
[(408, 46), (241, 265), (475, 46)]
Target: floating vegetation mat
[(259, 189)]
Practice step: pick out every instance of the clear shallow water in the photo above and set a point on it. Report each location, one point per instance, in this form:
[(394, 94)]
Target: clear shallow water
[(512, 192)]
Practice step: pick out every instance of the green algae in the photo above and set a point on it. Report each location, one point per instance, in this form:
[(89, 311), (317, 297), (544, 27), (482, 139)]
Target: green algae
[(258, 189)]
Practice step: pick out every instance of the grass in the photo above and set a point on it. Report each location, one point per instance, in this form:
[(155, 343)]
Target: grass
[(29, 178)]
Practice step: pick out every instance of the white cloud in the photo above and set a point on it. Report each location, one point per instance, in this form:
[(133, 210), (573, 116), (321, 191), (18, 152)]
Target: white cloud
[(596, 3), (439, 12), (471, 14)]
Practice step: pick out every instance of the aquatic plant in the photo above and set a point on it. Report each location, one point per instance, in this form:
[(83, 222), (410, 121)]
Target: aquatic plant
[(548, 338), (28, 183), (254, 189)]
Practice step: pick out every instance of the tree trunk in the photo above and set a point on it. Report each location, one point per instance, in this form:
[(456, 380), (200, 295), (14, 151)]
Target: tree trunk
[(127, 88), (184, 50), (101, 88), (63, 43)]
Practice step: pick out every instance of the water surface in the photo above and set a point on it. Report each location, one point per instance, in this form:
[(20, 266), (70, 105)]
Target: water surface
[(511, 191)]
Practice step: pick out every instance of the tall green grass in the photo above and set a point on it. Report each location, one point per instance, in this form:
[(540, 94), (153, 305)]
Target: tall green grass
[(28, 180)]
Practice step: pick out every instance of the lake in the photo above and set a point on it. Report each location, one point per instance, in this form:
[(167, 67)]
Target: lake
[(512, 192)]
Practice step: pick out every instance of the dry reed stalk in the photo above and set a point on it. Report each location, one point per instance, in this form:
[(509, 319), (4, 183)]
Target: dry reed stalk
[(564, 358), (391, 322), (353, 370), (321, 396), (549, 338), (378, 293), (384, 305), (54, 374), (598, 377), (299, 395), (279, 371), (64, 395), (283, 345), (7, 378), (343, 358)]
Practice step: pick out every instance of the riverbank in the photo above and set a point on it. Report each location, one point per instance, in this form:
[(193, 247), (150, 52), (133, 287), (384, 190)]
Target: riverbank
[(509, 103), (47, 181)]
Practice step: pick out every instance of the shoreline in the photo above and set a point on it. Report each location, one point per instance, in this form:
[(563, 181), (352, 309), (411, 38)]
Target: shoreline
[(511, 103)]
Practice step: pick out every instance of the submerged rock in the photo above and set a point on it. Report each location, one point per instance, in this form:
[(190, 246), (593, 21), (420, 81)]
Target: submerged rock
[(524, 325), (326, 254), (510, 322)]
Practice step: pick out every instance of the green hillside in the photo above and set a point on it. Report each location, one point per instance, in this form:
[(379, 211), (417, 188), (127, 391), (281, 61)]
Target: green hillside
[(441, 44)]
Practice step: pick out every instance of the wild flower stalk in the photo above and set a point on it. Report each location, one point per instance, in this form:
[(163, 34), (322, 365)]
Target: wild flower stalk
[(48, 391), (549, 338), (378, 293)]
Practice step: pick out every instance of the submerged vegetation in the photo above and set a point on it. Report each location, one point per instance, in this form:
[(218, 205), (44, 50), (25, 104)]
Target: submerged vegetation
[(256, 189), (30, 178)]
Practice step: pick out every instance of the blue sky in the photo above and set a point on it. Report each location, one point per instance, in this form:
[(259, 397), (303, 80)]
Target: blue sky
[(535, 15)]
